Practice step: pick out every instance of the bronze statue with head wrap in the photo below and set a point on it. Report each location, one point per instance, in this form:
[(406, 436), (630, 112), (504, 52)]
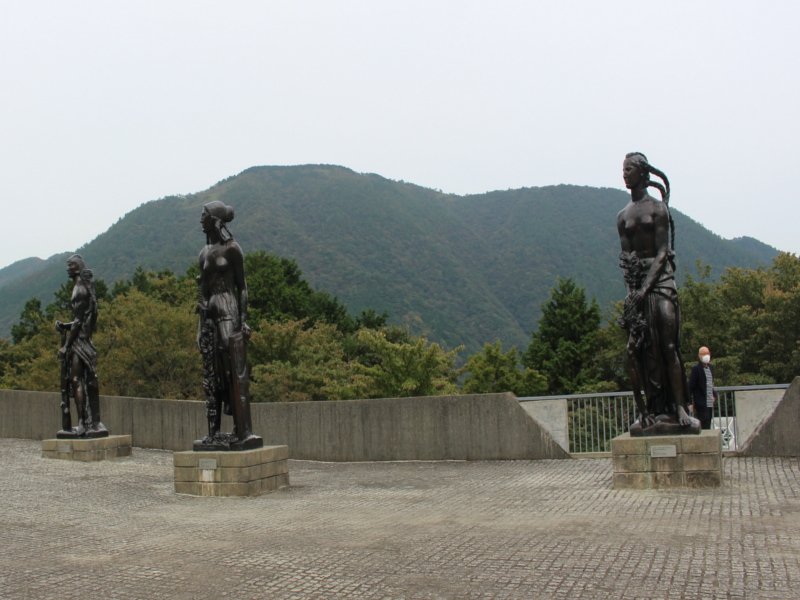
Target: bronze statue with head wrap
[(78, 358), (651, 313), (222, 333)]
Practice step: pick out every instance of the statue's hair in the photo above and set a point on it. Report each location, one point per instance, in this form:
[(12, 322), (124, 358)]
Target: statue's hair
[(221, 214), (86, 275), (222, 230), (646, 169)]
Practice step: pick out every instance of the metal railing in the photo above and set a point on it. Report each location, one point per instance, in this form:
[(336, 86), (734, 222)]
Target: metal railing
[(595, 419)]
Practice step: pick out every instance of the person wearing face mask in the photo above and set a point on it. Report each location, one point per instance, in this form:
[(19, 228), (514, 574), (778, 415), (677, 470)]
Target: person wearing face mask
[(701, 388)]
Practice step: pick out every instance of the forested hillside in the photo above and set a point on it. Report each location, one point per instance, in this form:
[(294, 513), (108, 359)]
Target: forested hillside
[(27, 266), (468, 270)]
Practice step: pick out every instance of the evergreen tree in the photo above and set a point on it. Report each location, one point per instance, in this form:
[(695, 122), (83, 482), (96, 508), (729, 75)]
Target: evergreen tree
[(62, 302), (563, 346), (30, 320)]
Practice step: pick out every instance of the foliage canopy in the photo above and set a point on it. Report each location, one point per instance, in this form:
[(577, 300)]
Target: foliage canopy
[(306, 346)]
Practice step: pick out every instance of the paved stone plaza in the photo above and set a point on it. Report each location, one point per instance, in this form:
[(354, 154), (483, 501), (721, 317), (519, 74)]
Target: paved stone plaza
[(513, 529)]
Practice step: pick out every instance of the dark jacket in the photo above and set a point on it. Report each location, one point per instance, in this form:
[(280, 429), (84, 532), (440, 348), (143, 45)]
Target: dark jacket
[(697, 385)]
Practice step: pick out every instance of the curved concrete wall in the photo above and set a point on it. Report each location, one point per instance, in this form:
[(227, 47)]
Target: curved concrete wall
[(469, 427), (779, 433)]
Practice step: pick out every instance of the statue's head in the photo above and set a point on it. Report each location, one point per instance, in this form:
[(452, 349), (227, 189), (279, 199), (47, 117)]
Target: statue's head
[(215, 215), (220, 210), (75, 265), (635, 170)]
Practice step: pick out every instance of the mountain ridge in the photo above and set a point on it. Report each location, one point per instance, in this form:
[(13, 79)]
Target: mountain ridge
[(467, 269)]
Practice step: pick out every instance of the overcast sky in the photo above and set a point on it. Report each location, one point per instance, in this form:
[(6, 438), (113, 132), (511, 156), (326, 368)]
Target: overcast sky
[(106, 105)]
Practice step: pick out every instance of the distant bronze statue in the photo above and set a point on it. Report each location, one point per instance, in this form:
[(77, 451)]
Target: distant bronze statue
[(78, 358), (223, 333), (651, 312)]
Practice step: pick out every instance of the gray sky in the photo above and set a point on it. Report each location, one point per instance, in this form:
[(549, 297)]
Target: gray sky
[(106, 105)]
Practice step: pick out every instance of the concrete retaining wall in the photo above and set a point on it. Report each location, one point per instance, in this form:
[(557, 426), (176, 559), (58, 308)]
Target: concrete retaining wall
[(469, 427), (752, 408), (553, 416), (779, 433)]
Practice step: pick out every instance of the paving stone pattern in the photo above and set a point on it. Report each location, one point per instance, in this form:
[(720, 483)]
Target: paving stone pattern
[(506, 529)]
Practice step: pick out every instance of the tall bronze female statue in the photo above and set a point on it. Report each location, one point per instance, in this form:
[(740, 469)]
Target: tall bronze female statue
[(78, 358), (222, 333), (651, 312)]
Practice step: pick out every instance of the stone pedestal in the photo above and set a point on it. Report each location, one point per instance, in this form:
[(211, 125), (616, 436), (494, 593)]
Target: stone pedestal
[(658, 462), (87, 449), (245, 473)]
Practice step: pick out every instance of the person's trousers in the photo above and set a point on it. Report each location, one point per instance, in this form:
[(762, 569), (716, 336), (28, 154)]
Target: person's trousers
[(704, 414)]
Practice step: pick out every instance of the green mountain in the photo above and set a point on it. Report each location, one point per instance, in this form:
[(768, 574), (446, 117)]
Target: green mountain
[(27, 266), (466, 269), (763, 251)]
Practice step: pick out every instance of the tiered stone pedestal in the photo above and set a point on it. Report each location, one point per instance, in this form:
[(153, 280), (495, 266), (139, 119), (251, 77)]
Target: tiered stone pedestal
[(245, 473), (659, 462), (87, 449)]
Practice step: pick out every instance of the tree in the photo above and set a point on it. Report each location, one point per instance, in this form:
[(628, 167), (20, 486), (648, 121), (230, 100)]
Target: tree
[(705, 314), (562, 348), (30, 320), (364, 353), (610, 356), (403, 369), (277, 292), (493, 371), (370, 319), (764, 332), (162, 285), (146, 347), (295, 363), (61, 305), (750, 320), (8, 358), (32, 364)]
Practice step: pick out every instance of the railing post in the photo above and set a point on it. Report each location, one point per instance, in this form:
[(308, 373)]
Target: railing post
[(573, 429), (735, 422)]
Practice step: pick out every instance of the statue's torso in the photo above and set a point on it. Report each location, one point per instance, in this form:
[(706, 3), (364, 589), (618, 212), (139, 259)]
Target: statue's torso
[(638, 223), (80, 302), (218, 283)]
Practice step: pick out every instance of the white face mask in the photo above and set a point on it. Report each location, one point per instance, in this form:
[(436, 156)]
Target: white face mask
[(706, 358)]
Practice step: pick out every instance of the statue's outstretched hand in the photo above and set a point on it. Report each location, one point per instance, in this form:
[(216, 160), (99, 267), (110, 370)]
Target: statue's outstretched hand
[(246, 331)]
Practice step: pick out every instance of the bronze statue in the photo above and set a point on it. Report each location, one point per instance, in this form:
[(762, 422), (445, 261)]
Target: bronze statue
[(651, 312), (222, 333), (78, 358)]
